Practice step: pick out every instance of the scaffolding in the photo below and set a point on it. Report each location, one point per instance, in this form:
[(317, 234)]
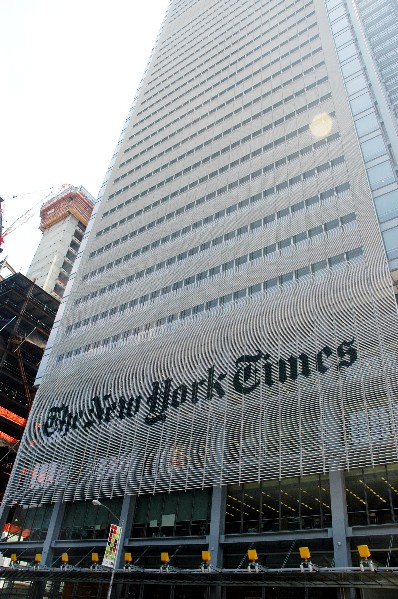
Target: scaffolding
[(71, 200), (27, 314)]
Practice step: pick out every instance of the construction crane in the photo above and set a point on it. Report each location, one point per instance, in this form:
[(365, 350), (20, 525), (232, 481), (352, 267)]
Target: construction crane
[(1, 224), (21, 220)]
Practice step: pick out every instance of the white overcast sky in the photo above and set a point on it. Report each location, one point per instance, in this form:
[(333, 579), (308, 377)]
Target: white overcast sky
[(69, 70)]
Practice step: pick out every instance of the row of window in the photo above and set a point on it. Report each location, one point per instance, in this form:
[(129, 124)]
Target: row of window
[(267, 147), (224, 150), (274, 123), (251, 155), (242, 181), (234, 85), (297, 35), (271, 218), (375, 9), (223, 34), (289, 504), (230, 265), (178, 45), (266, 193), (218, 74), (175, 39), (208, 141), (166, 73), (221, 106), (270, 285), (180, 9)]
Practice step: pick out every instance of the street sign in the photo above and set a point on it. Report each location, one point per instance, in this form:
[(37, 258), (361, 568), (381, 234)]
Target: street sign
[(109, 560)]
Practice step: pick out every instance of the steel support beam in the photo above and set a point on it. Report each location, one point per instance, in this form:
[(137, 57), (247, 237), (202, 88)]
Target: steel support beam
[(341, 543), (54, 528), (341, 546), (217, 518), (126, 519), (217, 525)]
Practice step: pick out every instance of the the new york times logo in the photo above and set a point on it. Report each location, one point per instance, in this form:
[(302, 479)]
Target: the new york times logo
[(249, 372)]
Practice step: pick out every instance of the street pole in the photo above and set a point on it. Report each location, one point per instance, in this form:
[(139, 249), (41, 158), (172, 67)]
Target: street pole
[(119, 547), (120, 523)]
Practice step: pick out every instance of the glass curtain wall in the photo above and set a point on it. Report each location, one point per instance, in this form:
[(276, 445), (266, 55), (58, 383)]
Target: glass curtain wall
[(28, 524), (83, 520), (172, 514), (372, 495), (289, 504)]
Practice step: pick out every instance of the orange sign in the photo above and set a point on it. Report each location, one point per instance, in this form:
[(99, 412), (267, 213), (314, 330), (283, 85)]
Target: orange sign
[(8, 438), (11, 416)]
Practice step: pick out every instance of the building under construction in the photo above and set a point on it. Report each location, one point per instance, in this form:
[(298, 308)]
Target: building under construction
[(26, 316), (64, 218)]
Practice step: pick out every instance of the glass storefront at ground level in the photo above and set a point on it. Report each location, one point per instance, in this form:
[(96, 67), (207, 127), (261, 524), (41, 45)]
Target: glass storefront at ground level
[(28, 524), (289, 504), (172, 514), (83, 520), (372, 495)]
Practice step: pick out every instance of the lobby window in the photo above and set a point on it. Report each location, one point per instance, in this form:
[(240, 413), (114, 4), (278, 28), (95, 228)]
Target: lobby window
[(172, 514), (270, 506), (372, 495), (28, 524), (83, 520)]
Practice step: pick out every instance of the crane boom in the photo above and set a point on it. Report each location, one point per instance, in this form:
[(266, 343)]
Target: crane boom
[(23, 218)]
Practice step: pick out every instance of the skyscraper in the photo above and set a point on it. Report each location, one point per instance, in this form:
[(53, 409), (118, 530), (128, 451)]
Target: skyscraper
[(64, 218), (223, 368)]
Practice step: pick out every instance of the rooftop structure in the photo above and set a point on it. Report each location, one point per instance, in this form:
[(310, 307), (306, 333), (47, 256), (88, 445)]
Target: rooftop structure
[(64, 218)]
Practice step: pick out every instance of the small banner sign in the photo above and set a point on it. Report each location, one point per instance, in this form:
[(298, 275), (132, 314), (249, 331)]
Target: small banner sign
[(109, 560)]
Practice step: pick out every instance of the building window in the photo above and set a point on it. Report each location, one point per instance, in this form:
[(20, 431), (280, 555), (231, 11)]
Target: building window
[(380, 175), (172, 514), (372, 495), (271, 506), (83, 520)]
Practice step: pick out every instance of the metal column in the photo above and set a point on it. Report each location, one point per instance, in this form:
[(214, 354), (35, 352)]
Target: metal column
[(126, 518), (217, 521), (341, 544), (52, 533)]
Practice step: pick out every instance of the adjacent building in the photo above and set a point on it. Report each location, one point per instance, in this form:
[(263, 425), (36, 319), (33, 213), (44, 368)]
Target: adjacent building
[(26, 317), (223, 370), (379, 21), (64, 218)]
